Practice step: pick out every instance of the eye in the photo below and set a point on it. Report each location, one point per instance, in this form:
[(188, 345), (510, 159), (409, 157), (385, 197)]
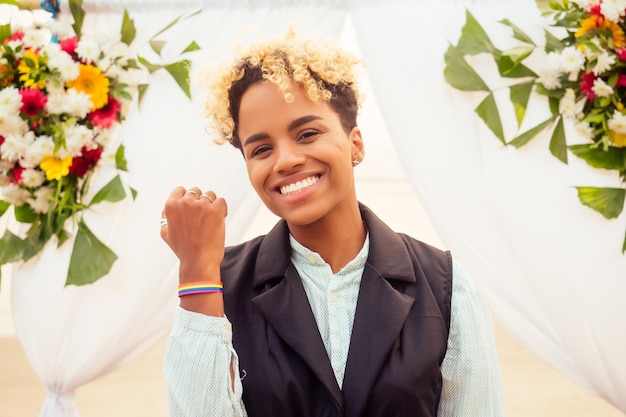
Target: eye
[(308, 134), (260, 150)]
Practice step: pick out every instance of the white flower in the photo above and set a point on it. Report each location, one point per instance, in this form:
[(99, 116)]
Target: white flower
[(567, 105), (5, 166), (4, 180), (604, 63), (15, 146), (572, 59), (88, 49), (586, 4), (42, 146), (76, 137), (33, 177), (613, 9), (14, 194), (77, 103), (12, 124), (617, 123), (601, 88), (549, 78), (61, 29), (36, 38), (61, 61), (118, 50), (42, 199), (10, 100), (584, 128)]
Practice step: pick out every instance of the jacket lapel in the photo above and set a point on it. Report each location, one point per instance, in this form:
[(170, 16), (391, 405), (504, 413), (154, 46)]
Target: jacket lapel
[(286, 308), (380, 314)]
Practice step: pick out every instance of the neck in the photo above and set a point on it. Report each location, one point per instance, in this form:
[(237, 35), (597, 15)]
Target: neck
[(338, 238)]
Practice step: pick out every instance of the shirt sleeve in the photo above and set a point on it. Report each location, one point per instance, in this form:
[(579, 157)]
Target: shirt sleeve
[(472, 384), (197, 367)]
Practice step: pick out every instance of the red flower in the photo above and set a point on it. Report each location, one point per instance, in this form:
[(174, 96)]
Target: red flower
[(1, 139), (105, 116), (69, 45), (621, 81), (33, 101), (83, 163), (17, 36), (16, 174), (586, 85), (621, 53)]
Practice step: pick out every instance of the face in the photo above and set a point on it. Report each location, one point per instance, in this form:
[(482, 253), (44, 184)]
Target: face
[(299, 158)]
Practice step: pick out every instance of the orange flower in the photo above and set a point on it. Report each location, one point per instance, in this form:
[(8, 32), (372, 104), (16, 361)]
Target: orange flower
[(92, 82), (598, 22)]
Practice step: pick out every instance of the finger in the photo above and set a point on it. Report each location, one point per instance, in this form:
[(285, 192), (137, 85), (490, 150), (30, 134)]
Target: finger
[(220, 203), (177, 192), (193, 192), (208, 196)]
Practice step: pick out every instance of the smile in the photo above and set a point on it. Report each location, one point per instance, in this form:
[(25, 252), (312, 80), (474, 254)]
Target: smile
[(298, 186)]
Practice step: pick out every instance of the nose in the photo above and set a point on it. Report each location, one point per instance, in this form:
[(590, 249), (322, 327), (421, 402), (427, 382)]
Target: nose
[(288, 156)]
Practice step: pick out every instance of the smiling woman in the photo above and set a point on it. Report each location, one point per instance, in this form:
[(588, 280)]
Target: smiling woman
[(290, 105)]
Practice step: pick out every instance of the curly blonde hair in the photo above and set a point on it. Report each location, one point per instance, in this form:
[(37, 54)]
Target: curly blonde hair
[(325, 72)]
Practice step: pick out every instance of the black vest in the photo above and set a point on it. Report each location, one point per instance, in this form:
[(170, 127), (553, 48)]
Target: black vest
[(398, 342)]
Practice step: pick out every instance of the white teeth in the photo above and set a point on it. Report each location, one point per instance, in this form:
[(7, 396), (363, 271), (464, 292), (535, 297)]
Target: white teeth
[(298, 186)]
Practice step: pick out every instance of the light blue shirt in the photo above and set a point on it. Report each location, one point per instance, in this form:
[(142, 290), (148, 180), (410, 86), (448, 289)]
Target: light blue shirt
[(200, 352)]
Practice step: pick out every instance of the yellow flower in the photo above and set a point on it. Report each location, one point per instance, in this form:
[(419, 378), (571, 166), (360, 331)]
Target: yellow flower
[(55, 168), (597, 22), (29, 74), (92, 82)]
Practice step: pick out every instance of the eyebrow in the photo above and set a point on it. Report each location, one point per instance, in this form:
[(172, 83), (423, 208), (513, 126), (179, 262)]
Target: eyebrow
[(293, 125)]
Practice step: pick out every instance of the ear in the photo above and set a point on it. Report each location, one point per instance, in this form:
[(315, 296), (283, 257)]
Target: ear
[(356, 144)]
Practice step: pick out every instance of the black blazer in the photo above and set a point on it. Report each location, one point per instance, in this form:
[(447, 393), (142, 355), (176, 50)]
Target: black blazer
[(398, 341)]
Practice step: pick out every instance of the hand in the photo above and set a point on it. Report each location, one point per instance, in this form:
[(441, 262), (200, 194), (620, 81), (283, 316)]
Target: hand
[(195, 231)]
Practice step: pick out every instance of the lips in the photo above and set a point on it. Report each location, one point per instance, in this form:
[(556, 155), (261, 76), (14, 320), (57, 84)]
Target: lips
[(298, 186)]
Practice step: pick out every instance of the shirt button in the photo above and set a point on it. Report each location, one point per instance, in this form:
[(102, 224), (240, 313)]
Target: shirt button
[(333, 296), (312, 259)]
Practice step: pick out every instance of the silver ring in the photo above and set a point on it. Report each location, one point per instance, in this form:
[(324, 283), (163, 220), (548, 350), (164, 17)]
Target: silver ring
[(163, 221), (206, 196), (192, 192)]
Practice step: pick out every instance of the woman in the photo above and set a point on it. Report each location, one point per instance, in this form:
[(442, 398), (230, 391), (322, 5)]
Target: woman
[(331, 313)]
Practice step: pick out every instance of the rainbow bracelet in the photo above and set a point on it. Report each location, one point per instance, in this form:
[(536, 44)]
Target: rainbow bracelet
[(199, 287)]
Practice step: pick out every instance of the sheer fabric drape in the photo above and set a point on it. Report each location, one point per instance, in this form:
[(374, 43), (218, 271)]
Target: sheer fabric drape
[(74, 335), (550, 269)]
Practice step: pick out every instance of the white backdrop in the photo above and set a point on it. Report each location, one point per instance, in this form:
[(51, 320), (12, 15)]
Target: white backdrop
[(550, 269)]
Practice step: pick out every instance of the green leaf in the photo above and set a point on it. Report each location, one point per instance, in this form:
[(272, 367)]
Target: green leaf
[(193, 46), (11, 248), (4, 206), (607, 201), (112, 192), (157, 46), (91, 259), (624, 245), (488, 111), (525, 137), (128, 30), (459, 74), (552, 42), (168, 26), (11, 2), (517, 32), (133, 192), (509, 67), (558, 146), (149, 66), (120, 158), (76, 7), (474, 40), (25, 214), (5, 32), (598, 157), (180, 72), (143, 88), (519, 95), (543, 5)]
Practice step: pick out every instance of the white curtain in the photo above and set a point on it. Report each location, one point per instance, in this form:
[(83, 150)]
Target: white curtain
[(550, 268), (76, 334)]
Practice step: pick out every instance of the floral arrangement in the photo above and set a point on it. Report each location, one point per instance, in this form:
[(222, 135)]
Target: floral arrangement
[(581, 72), (63, 94)]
